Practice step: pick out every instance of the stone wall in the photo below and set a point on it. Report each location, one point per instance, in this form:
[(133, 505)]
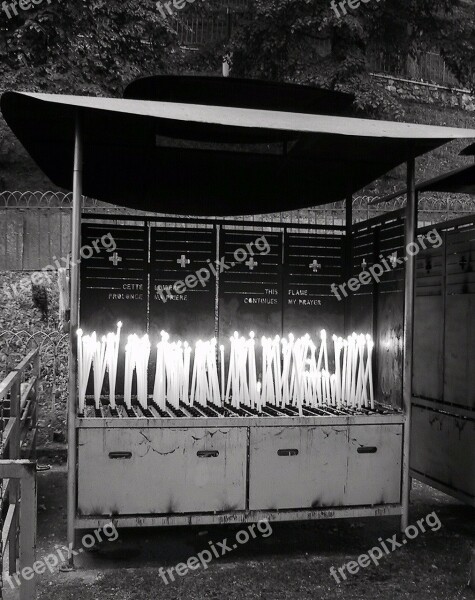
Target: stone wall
[(428, 93)]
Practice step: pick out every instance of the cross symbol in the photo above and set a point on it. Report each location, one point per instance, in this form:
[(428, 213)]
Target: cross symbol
[(115, 259), (428, 264), (315, 266), (183, 261), (393, 259), (251, 263), (364, 264)]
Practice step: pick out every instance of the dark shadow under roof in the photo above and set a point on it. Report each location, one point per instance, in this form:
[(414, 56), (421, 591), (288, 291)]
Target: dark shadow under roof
[(197, 159), (240, 93)]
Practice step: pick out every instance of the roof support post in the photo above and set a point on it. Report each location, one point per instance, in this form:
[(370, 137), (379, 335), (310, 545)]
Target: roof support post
[(410, 261), (348, 270), (73, 325)]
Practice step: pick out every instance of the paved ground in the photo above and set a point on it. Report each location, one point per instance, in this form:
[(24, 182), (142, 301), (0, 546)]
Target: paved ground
[(292, 563)]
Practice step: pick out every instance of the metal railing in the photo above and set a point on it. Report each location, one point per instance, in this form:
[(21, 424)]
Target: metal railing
[(18, 405), (429, 67)]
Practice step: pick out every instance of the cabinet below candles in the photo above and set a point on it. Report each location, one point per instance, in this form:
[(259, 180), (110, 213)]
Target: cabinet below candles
[(252, 466)]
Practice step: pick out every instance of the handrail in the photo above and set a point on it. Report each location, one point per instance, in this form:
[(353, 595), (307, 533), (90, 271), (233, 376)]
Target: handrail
[(26, 361), (21, 523), (7, 384), (18, 476), (16, 373)]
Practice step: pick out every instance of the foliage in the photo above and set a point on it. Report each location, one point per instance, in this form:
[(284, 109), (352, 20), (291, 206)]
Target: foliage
[(86, 46), (98, 46), (24, 325), (282, 40)]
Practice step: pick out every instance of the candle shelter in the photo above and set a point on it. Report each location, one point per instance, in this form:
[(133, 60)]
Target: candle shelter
[(229, 147)]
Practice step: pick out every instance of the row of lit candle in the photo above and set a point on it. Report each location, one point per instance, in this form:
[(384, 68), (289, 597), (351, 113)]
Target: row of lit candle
[(292, 373)]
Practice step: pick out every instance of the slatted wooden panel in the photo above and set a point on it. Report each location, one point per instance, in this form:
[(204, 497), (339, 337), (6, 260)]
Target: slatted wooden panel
[(361, 301), (459, 380), (250, 293), (442, 450), (390, 310), (377, 307), (429, 302), (312, 263), (175, 254), (31, 239), (391, 255), (11, 240), (444, 326), (443, 441)]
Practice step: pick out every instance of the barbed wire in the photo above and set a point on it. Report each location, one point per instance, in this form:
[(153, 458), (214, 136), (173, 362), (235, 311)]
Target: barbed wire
[(61, 200)]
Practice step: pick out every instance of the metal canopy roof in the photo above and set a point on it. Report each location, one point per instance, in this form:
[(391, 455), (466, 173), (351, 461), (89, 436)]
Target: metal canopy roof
[(470, 150), (183, 158), (243, 93), (459, 181)]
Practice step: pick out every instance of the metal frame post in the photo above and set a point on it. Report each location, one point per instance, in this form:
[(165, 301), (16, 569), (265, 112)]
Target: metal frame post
[(73, 324), (348, 259), (410, 236)]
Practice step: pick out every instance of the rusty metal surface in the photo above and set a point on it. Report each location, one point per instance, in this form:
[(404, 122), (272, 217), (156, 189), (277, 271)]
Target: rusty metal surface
[(237, 517), (390, 348), (134, 471), (155, 470), (197, 413), (309, 467)]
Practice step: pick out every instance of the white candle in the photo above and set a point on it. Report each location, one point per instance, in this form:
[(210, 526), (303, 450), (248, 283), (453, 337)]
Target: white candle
[(222, 372), (333, 389), (337, 347), (369, 372), (323, 335), (343, 375), (99, 366)]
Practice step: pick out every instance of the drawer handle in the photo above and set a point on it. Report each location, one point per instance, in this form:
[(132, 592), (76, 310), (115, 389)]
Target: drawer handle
[(367, 450), (120, 454), (207, 453), (287, 452)]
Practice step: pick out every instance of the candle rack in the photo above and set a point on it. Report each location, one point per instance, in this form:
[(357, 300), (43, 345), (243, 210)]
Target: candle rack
[(255, 439)]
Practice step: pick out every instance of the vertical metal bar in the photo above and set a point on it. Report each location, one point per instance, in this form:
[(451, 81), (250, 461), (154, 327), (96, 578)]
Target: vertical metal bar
[(410, 235), (443, 291), (28, 530), (375, 304), (73, 324), (34, 410), (217, 285), (14, 454), (348, 259)]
